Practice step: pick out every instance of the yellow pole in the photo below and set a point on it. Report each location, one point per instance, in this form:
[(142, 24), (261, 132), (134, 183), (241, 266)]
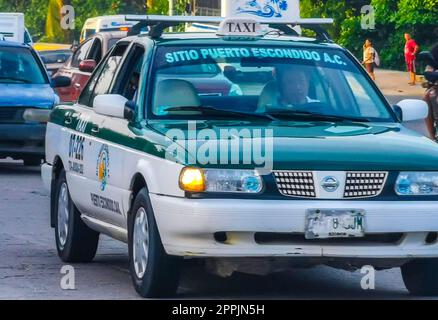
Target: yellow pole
[(149, 4), (54, 32)]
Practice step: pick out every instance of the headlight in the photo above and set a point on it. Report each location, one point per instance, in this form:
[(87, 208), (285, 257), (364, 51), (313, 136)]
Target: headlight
[(192, 180), (217, 180), (417, 184)]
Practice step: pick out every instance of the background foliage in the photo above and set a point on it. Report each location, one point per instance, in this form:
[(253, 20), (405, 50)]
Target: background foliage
[(393, 18)]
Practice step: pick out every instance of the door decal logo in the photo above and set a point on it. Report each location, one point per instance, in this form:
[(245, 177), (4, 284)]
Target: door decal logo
[(102, 170)]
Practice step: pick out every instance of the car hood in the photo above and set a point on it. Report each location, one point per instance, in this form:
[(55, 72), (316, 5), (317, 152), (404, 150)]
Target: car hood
[(26, 95), (318, 145)]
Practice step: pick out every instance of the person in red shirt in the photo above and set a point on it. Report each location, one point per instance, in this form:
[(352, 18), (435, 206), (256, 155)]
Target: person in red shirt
[(411, 50)]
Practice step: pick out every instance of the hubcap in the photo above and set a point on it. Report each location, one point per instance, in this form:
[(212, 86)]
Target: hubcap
[(63, 215), (141, 243)]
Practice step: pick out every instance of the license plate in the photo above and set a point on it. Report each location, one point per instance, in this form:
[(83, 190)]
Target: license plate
[(323, 224)]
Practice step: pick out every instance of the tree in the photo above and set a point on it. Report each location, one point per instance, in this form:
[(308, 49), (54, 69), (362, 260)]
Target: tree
[(393, 18)]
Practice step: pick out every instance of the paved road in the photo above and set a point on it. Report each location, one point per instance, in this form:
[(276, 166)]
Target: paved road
[(30, 268)]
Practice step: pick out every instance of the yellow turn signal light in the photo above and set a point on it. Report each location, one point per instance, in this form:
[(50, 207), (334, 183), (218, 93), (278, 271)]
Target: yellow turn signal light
[(192, 180)]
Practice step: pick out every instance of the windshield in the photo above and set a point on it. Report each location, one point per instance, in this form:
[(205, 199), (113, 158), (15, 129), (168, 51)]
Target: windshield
[(88, 33), (18, 65), (275, 81), (57, 56)]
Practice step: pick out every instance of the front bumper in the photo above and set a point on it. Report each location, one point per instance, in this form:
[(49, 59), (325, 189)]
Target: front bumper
[(187, 227), (19, 140)]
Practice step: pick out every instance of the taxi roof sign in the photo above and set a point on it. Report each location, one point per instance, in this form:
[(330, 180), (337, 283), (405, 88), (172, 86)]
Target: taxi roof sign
[(263, 10), (159, 23), (239, 27), (156, 19)]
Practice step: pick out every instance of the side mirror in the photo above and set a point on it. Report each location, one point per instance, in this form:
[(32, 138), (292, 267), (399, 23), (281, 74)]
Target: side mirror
[(113, 105), (431, 76), (61, 82), (411, 110), (428, 58), (87, 66), (425, 59)]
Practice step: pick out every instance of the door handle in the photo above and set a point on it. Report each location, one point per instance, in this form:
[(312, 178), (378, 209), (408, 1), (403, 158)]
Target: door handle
[(68, 120), (77, 85), (95, 129)]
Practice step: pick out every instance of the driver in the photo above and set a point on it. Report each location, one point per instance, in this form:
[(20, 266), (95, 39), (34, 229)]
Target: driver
[(291, 89), (293, 86)]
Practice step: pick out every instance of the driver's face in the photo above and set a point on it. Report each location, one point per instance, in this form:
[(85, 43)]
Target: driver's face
[(294, 86)]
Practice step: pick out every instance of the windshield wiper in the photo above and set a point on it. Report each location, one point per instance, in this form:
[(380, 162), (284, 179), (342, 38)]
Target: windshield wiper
[(308, 114), (15, 79), (210, 111)]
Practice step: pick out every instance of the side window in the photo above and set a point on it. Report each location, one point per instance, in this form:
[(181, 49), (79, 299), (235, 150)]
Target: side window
[(81, 54), (128, 84), (96, 51), (102, 79), (87, 93)]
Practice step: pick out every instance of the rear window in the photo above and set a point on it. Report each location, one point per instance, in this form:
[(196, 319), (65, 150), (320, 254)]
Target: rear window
[(18, 65), (60, 56)]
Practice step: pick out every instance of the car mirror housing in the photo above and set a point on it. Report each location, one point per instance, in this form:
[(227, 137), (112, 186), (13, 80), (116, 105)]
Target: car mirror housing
[(60, 82), (112, 105), (411, 110), (87, 66)]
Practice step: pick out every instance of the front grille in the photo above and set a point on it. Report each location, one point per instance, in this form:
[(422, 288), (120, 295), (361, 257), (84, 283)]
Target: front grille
[(364, 184), (295, 183), (11, 115), (357, 184)]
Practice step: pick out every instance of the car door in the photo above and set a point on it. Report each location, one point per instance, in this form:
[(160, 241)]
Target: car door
[(71, 93), (115, 134), (91, 51), (94, 196)]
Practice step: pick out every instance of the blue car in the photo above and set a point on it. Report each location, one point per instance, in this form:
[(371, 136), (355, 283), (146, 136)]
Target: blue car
[(26, 98)]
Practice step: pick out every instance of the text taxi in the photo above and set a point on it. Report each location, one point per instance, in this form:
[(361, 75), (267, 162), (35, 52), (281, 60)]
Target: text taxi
[(302, 161)]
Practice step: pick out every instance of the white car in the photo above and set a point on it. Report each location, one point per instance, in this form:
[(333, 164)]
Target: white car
[(176, 174)]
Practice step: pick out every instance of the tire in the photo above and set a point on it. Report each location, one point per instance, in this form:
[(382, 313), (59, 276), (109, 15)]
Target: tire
[(158, 275), (421, 277), (75, 241), (32, 162)]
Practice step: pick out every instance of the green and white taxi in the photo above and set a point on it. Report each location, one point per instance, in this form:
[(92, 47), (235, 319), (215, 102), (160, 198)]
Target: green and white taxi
[(255, 149)]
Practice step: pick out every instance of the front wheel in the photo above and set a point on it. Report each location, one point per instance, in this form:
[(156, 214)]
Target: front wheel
[(154, 273), (75, 241), (421, 277)]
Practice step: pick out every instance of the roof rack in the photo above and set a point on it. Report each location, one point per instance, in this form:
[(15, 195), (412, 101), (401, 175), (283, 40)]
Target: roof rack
[(158, 24)]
